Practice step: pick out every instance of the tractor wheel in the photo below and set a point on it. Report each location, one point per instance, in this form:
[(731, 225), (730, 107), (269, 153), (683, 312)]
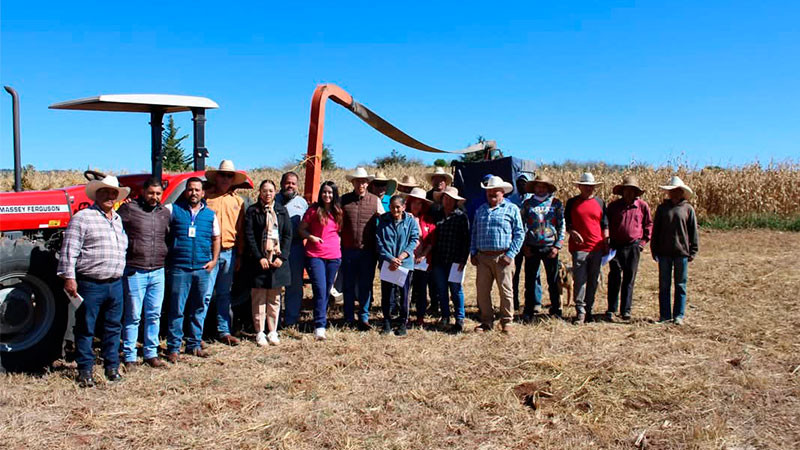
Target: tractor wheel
[(33, 308)]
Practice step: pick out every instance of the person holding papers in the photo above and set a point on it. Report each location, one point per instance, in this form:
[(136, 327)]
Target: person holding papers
[(497, 235), (450, 253), (418, 206), (397, 237)]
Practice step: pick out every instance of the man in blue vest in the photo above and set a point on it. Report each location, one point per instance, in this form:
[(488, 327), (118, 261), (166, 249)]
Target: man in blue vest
[(193, 253)]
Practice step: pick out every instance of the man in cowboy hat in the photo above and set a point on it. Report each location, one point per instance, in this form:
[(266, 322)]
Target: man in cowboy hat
[(518, 197), (439, 179), (193, 253), (146, 222), (629, 226), (497, 234), (296, 205), (407, 183), (543, 216), (450, 248), (227, 206), (360, 212), (587, 225), (674, 245), (92, 263), (382, 186)]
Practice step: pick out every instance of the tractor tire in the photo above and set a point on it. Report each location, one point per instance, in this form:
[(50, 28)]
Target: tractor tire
[(33, 307)]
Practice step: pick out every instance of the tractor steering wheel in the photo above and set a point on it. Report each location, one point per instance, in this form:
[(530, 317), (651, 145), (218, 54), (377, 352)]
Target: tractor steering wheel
[(92, 175)]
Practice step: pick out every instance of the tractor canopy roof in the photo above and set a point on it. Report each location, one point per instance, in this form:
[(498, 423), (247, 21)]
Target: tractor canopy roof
[(144, 103)]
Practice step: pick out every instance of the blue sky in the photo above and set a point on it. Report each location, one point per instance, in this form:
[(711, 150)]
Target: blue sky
[(701, 82)]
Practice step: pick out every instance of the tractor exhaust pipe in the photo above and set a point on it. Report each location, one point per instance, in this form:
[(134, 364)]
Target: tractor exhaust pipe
[(17, 158)]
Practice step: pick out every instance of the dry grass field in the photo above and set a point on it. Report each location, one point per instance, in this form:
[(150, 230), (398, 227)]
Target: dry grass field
[(729, 378)]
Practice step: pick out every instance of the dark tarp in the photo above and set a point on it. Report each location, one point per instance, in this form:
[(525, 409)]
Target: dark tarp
[(468, 177)]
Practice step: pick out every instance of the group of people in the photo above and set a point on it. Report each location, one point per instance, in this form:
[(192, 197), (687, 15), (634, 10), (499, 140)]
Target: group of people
[(121, 262)]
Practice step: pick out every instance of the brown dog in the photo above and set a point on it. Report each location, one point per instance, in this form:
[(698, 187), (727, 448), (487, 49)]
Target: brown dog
[(565, 283)]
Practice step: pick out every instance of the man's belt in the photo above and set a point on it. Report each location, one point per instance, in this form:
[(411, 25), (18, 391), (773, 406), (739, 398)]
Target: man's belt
[(95, 280)]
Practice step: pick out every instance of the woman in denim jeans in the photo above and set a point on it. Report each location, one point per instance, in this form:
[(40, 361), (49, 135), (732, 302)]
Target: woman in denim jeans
[(320, 227), (674, 245)]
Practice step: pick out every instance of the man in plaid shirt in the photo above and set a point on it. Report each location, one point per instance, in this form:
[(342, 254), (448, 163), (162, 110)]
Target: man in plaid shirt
[(91, 263), (497, 235)]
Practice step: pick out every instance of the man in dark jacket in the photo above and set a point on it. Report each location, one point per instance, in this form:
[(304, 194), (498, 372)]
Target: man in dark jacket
[(147, 223), (361, 210), (674, 246)]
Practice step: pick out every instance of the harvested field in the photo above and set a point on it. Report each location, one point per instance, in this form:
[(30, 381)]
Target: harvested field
[(729, 378)]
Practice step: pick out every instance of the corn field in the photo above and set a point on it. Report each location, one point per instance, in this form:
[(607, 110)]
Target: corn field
[(750, 190)]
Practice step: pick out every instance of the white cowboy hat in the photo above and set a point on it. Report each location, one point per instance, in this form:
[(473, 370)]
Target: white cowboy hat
[(497, 182), (451, 192), (359, 173), (226, 166), (587, 179), (408, 181), (439, 172), (417, 193), (109, 182), (674, 183)]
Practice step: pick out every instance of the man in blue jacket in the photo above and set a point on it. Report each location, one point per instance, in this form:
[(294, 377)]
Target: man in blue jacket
[(397, 237), (193, 253)]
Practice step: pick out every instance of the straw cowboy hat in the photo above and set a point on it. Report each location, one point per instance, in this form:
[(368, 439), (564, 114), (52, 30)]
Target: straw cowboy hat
[(408, 181), (628, 181), (497, 182), (676, 183), (359, 174), (226, 166), (541, 179), (417, 193), (451, 192), (439, 172), (109, 182), (587, 179), (381, 176)]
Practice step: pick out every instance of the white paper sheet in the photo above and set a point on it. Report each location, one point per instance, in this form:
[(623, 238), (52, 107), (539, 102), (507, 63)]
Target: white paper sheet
[(397, 277), (456, 276), (608, 257), (76, 300), (423, 265)]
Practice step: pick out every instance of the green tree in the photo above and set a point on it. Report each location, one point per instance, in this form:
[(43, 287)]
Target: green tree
[(175, 160), (328, 162), (394, 158), (441, 163)]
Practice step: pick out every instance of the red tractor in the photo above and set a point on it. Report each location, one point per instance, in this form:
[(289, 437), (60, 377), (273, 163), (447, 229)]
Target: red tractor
[(33, 307)]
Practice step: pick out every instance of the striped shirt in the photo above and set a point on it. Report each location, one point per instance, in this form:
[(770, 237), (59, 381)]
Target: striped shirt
[(94, 246), (498, 228)]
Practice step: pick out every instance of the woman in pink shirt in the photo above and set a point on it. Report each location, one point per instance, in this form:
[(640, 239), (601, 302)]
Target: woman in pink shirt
[(320, 228)]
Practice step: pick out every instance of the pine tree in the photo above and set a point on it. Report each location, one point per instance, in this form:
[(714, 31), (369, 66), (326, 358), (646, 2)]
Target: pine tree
[(327, 158), (175, 160)]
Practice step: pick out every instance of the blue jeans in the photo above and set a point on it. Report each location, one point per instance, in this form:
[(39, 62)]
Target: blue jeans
[(98, 298), (419, 293), (293, 297), (144, 294), (188, 290), (219, 286), (670, 267), (358, 272), (390, 300), (440, 274), (322, 273), (533, 280)]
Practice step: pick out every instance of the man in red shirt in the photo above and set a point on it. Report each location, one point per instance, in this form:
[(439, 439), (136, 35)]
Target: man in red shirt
[(630, 227), (587, 225)]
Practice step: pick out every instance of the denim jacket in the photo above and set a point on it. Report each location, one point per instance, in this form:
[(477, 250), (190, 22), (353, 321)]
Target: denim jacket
[(394, 238)]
